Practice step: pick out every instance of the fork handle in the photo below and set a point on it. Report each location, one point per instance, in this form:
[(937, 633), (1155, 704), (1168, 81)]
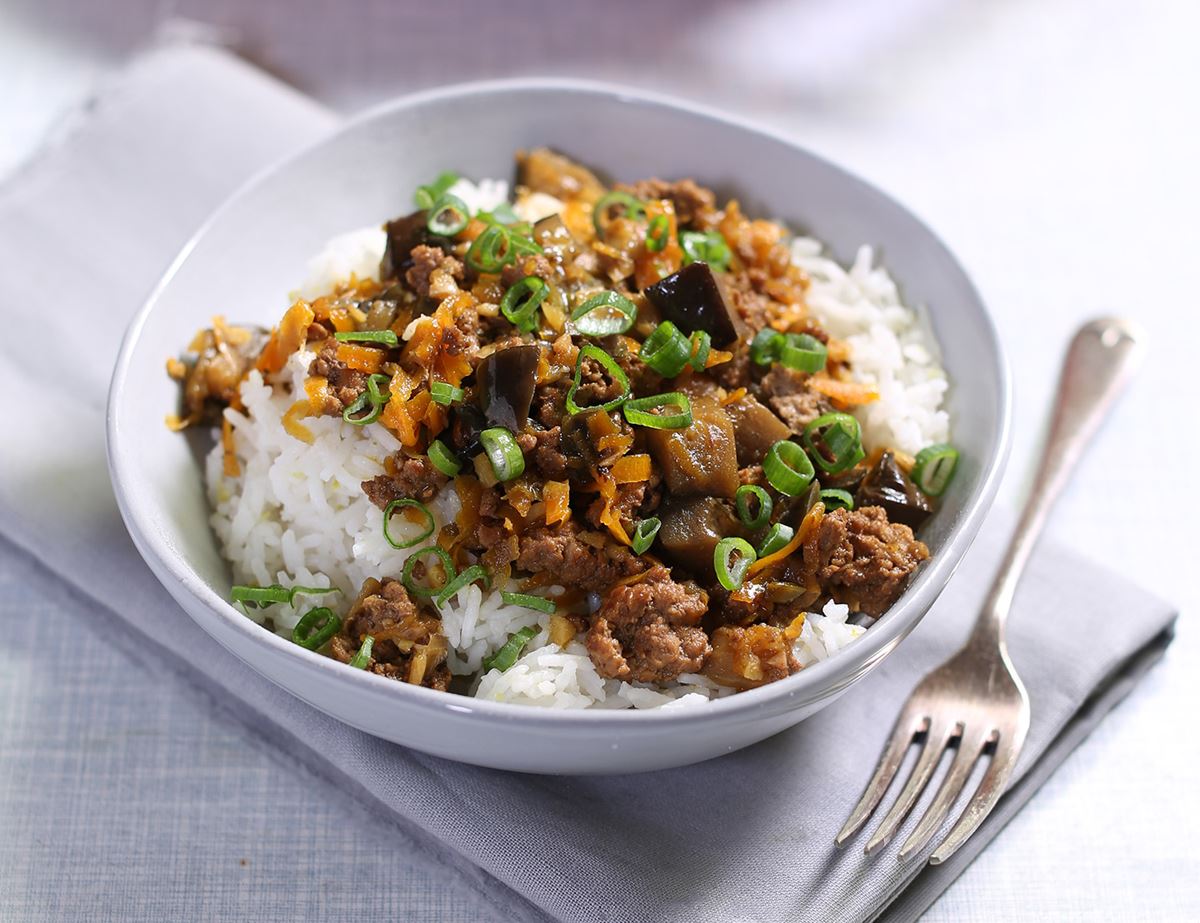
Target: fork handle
[(1099, 362)]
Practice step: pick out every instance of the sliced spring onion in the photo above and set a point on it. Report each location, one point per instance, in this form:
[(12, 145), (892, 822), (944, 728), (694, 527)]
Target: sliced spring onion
[(382, 337), (521, 301), (834, 441), (743, 498), (644, 534), (835, 498), (360, 660), (425, 196), (503, 452), (445, 393), (658, 233), (766, 346), (934, 468), (410, 581), (803, 352), (634, 210), (666, 350), (275, 593), (501, 214), (705, 247), (492, 250), (443, 459), (731, 559), (507, 655), (701, 346), (610, 366), (641, 411), (468, 576), (604, 314), (373, 396), (316, 627), (448, 216), (777, 537), (521, 242), (525, 601), (407, 504), (787, 468)]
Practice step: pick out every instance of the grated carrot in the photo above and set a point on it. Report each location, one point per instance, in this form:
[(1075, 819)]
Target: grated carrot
[(811, 520), (631, 468), (360, 358), (557, 495), (292, 425), (288, 337), (845, 393)]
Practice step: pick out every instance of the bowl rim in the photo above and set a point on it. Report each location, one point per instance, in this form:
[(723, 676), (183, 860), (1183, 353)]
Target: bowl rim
[(810, 685)]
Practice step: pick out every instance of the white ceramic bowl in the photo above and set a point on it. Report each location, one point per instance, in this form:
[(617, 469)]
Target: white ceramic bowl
[(245, 259)]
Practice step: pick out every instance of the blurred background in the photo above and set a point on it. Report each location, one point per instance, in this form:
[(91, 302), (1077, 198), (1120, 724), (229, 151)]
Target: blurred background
[(1052, 143)]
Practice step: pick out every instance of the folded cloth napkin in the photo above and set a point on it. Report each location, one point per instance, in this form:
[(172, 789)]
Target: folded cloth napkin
[(86, 229)]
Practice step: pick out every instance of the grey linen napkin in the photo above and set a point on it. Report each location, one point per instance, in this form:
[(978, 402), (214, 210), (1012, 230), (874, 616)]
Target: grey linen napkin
[(86, 229)]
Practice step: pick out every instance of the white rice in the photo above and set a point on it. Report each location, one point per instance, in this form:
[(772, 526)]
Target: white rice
[(297, 515)]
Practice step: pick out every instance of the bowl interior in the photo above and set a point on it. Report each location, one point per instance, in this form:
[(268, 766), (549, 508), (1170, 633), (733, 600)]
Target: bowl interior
[(254, 251)]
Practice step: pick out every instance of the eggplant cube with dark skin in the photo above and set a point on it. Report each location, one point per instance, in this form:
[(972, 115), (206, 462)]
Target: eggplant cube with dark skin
[(699, 459), (506, 381), (694, 299)]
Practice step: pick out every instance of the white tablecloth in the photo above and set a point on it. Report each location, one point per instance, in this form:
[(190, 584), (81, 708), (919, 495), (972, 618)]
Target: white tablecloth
[(1052, 144)]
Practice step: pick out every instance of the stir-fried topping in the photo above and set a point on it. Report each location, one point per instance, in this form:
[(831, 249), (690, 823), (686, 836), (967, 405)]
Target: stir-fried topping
[(630, 398)]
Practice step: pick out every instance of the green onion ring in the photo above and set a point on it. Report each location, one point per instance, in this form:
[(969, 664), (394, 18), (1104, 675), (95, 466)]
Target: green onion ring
[(316, 627), (666, 350), (382, 337), (507, 655), (275, 593), (803, 352), (701, 346), (445, 393), (425, 196), (705, 247), (610, 366), (406, 503), (492, 250), (777, 537), (644, 534), (638, 412), (835, 498), (358, 406), (503, 452), (658, 233), (443, 459), (787, 468), (459, 216), (360, 660), (521, 301), (470, 575), (604, 314), (766, 346), (731, 573), (765, 505), (634, 210), (410, 583), (525, 601), (834, 441), (934, 468)]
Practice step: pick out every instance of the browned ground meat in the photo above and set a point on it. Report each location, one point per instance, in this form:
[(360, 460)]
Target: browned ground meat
[(692, 202), (537, 264), (550, 401), (408, 644), (552, 463), (647, 632), (425, 260), (596, 386), (576, 558), (412, 478), (750, 656), (863, 560), (789, 395), (345, 384), (631, 503)]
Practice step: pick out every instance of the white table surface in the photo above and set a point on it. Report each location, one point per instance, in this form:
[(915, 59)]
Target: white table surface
[(1054, 146)]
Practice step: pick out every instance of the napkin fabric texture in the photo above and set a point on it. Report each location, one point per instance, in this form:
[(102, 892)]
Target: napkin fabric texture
[(86, 230)]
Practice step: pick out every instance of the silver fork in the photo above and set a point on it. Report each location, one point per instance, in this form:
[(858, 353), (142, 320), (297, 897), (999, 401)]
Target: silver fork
[(975, 701)]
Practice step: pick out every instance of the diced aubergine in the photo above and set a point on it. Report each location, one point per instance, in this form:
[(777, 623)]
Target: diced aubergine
[(506, 381), (887, 485), (701, 458), (691, 529), (402, 235), (755, 429), (693, 299)]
